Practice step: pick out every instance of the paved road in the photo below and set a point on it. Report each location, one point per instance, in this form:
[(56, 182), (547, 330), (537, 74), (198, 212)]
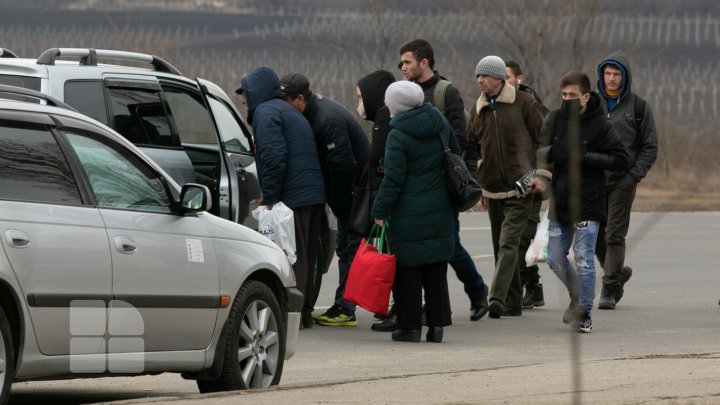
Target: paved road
[(665, 328)]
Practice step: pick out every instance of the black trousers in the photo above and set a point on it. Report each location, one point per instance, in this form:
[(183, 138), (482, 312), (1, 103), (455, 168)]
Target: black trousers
[(610, 247), (308, 223), (408, 294)]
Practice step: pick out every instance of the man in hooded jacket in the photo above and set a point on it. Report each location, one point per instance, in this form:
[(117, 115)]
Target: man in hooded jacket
[(288, 170), (633, 120)]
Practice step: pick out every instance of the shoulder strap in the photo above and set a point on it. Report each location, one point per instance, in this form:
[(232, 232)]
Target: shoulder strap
[(639, 112), (446, 148), (439, 95)]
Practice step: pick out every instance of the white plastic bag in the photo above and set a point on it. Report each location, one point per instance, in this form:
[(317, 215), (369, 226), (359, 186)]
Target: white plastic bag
[(278, 225), (537, 252)]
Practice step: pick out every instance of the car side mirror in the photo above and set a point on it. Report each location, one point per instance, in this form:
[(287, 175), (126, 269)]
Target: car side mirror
[(195, 198)]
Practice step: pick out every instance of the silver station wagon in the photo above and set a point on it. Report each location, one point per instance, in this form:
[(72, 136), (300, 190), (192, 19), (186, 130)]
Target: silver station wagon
[(108, 267)]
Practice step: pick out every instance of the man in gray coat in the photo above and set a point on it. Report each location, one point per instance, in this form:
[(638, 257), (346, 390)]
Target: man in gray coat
[(633, 120)]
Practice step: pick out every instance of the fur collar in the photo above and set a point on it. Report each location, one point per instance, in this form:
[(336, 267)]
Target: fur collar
[(507, 96)]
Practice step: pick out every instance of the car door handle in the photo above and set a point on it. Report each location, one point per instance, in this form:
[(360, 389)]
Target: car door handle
[(123, 244), (17, 238)]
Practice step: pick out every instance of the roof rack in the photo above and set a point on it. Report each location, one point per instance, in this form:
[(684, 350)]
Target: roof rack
[(6, 53), (21, 91), (89, 57)]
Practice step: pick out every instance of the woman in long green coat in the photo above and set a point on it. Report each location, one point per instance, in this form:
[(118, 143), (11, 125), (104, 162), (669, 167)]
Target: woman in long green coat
[(414, 201)]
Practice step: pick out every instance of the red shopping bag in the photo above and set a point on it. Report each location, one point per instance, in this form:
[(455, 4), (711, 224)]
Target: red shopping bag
[(371, 274)]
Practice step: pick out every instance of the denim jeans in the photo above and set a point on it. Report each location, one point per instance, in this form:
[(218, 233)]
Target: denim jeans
[(582, 282), (465, 269)]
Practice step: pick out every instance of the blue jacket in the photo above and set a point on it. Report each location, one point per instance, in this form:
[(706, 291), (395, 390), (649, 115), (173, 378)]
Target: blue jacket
[(286, 156), (344, 150), (413, 197)]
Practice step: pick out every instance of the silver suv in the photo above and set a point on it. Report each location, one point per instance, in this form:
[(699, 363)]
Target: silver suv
[(108, 267), (189, 127)]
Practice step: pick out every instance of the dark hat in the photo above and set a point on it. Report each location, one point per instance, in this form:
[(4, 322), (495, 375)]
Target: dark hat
[(294, 83)]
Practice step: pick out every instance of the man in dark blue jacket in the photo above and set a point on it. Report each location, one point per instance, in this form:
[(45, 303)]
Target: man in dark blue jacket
[(344, 152), (288, 170)]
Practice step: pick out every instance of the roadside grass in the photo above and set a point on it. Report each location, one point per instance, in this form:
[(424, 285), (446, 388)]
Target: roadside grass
[(684, 191)]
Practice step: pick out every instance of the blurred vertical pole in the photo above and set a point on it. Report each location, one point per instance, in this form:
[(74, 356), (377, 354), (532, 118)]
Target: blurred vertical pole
[(574, 166)]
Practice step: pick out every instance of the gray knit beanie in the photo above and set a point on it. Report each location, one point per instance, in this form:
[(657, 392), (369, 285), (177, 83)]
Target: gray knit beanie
[(491, 66), (403, 96)]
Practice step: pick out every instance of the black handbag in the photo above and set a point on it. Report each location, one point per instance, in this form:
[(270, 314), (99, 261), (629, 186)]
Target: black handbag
[(462, 186), (360, 220)]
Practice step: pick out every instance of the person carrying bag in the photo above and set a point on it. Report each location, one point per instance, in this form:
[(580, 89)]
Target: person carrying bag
[(372, 273), (413, 197)]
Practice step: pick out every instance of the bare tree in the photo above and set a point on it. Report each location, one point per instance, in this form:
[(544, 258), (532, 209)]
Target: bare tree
[(366, 38), (530, 32)]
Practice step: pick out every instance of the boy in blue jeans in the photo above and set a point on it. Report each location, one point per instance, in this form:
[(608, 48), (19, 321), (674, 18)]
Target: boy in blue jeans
[(582, 145)]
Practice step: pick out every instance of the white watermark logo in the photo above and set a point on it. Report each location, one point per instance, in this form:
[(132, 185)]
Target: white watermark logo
[(106, 337)]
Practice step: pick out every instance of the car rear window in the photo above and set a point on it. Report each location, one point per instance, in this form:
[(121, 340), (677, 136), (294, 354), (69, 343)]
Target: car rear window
[(33, 168)]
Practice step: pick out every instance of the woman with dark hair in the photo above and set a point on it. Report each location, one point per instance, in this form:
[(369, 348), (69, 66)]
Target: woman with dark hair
[(371, 106)]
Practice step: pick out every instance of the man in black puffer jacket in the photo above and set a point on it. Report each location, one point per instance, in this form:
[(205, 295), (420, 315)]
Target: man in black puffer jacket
[(344, 152), (583, 144)]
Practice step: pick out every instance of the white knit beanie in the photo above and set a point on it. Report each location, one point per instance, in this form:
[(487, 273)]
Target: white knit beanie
[(491, 66), (403, 96)]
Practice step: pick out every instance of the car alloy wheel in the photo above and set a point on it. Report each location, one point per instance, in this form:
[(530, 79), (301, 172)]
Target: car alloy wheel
[(259, 345), (255, 342)]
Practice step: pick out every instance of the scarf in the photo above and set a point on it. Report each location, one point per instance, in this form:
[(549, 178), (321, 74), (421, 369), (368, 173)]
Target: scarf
[(613, 93)]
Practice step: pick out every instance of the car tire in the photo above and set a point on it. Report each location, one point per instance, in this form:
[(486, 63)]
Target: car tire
[(7, 358), (255, 347)]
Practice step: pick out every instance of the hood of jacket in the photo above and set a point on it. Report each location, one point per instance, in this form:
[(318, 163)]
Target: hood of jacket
[(621, 62), (422, 122), (260, 85), (372, 88)]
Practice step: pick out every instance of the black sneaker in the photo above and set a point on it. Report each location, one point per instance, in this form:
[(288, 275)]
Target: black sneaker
[(340, 318), (332, 312), (533, 296), (479, 308), (608, 296), (624, 277), (584, 324), (496, 309)]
